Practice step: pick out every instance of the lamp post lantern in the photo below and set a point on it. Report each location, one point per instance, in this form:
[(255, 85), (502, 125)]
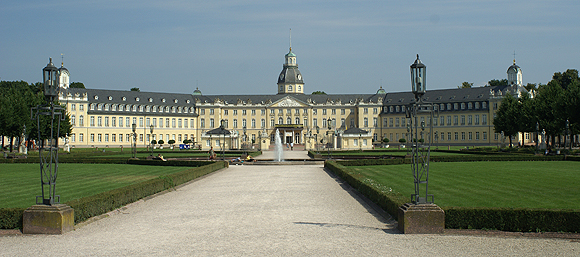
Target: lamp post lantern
[(48, 216), (421, 215), (316, 145), (537, 135)]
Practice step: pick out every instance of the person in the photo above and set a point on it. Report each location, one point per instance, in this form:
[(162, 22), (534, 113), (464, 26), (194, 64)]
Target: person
[(211, 153), (292, 146), (160, 157), (249, 158)]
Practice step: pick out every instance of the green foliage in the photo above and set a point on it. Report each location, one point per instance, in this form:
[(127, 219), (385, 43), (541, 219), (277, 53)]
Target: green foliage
[(161, 141), (402, 140), (495, 82), (77, 85), (465, 84), (171, 141), (136, 89), (318, 93), (385, 140), (11, 218), (516, 220), (153, 142)]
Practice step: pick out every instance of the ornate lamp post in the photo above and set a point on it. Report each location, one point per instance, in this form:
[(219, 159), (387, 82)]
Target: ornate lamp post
[(244, 144), (151, 141), (48, 216), (134, 148), (421, 215), (567, 134), (317, 132)]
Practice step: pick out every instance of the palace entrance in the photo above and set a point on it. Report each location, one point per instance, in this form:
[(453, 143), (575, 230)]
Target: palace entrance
[(289, 133)]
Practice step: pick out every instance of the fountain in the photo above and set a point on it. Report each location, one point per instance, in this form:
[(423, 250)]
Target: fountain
[(278, 150)]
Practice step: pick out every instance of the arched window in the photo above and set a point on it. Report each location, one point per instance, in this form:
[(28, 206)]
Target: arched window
[(81, 121), (73, 120), (289, 120), (280, 120), (289, 87)]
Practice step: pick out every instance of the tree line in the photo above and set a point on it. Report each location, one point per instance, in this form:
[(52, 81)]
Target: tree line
[(16, 100), (550, 107)]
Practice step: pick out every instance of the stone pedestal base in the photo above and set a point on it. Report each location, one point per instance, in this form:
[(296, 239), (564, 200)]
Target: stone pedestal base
[(48, 219), (421, 219)]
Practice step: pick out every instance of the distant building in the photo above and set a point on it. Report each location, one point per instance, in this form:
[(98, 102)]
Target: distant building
[(104, 117)]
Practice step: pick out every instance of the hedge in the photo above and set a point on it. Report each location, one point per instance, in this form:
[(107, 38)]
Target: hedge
[(388, 201), (87, 207), (505, 219), (462, 158)]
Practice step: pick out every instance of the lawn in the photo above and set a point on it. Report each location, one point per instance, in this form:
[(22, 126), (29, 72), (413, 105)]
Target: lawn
[(541, 184), (20, 183)]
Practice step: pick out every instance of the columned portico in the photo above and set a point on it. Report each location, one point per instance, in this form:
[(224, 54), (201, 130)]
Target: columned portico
[(290, 133)]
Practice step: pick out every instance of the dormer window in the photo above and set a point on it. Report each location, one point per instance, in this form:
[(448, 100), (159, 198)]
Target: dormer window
[(137, 99), (96, 97), (175, 100), (163, 100), (187, 101), (110, 98), (150, 99), (124, 99)]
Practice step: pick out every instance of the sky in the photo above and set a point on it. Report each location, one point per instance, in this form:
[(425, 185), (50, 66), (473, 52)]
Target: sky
[(238, 47)]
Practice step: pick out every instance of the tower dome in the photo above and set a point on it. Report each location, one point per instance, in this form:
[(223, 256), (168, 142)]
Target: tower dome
[(290, 80), (514, 73)]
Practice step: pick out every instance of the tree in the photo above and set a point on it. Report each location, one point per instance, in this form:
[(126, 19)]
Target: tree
[(465, 84), (77, 85), (161, 142), (318, 93), (507, 118), (385, 140), (171, 142), (531, 87), (136, 89), (153, 142), (495, 82)]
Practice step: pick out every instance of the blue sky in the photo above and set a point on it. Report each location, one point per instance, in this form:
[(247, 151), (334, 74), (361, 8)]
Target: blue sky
[(238, 47)]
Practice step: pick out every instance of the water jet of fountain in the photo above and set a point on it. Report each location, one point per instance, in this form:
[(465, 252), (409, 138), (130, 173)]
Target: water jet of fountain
[(278, 150)]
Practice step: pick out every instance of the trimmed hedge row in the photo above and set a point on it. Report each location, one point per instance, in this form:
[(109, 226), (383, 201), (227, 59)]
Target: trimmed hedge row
[(87, 207), (515, 220), (451, 158), (505, 219), (388, 201)]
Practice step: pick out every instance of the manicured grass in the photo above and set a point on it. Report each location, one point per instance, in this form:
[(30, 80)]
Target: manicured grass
[(20, 183), (540, 184)]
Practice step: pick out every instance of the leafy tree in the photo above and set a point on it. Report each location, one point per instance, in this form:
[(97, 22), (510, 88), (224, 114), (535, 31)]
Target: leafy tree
[(495, 82), (136, 89), (465, 84), (161, 142), (318, 93), (508, 117), (531, 87), (385, 140), (77, 85), (187, 141), (402, 140), (153, 142), (171, 142)]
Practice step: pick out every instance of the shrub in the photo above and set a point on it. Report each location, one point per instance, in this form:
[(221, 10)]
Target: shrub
[(161, 141), (402, 140), (171, 142)]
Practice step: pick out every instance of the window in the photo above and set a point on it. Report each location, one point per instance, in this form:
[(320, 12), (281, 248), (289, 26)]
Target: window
[(442, 120), (462, 120), (457, 136), (272, 123), (385, 122), (375, 110), (235, 123), (469, 106), (81, 108), (99, 121), (476, 119), (469, 119), (289, 87), (463, 136), (476, 105), (81, 121), (113, 121), (324, 123), (106, 121), (462, 106), (397, 124), (272, 111), (442, 107), (179, 123), (243, 112), (202, 123), (280, 120), (375, 121), (314, 122), (449, 107), (263, 123), (366, 121), (141, 122), (476, 135), (184, 123), (448, 136), (120, 137), (366, 110), (297, 120), (323, 111), (235, 112), (351, 123), (470, 136), (244, 123), (448, 120), (333, 111), (314, 111), (484, 119), (495, 106), (288, 120), (484, 135), (73, 120), (92, 137), (210, 111), (483, 105), (225, 112), (167, 122), (99, 137), (253, 123), (106, 137), (127, 122), (390, 122), (263, 112), (455, 120), (305, 122), (211, 123), (297, 111), (342, 111)]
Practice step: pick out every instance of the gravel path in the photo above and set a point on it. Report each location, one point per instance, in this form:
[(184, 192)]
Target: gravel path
[(265, 211)]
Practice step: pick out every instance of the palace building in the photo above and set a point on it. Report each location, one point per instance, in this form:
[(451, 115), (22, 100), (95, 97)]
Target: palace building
[(104, 118)]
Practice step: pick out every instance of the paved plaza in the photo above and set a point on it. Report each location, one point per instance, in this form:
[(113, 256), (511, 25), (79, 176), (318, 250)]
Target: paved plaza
[(262, 210)]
